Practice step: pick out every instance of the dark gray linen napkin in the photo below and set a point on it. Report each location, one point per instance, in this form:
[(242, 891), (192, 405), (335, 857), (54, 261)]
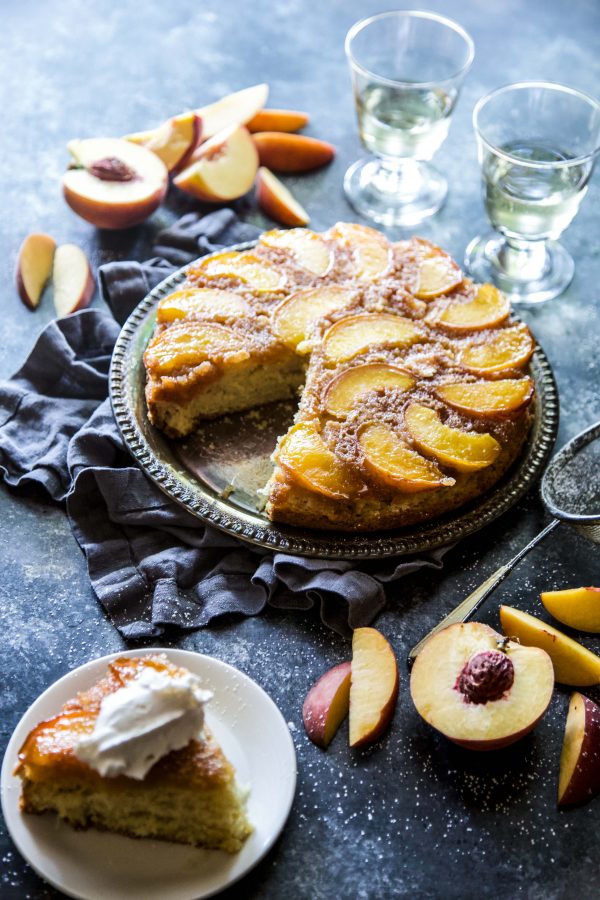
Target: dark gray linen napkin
[(152, 564)]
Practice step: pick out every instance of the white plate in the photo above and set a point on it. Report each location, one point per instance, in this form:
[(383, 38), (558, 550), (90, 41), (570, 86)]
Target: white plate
[(95, 865)]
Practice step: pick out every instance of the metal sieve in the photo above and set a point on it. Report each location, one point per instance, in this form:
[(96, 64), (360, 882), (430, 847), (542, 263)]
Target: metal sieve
[(570, 491)]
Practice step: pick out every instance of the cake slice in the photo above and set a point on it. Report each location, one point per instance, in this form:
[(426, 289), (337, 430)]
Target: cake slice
[(189, 796)]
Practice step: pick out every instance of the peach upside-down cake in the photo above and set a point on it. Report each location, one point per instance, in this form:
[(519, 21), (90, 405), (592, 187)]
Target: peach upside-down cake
[(415, 392)]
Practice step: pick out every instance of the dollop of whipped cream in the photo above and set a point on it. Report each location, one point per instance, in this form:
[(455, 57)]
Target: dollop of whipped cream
[(140, 723)]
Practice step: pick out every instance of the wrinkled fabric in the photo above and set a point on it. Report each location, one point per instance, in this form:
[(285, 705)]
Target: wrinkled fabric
[(153, 565)]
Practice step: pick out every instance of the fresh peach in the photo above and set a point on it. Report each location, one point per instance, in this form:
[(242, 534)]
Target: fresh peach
[(288, 120), (72, 280), (291, 152), (277, 201), (223, 168), (34, 267), (175, 140), (234, 109), (327, 704), (478, 689), (573, 663), (579, 775), (576, 607), (373, 686), (113, 183)]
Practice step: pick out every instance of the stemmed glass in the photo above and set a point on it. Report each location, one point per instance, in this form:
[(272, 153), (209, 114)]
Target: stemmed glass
[(407, 68), (537, 144)]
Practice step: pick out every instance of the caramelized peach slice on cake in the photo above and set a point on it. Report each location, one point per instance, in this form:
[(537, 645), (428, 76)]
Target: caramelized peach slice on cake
[(466, 451), (200, 302), (346, 390), (294, 317), (348, 337), (187, 344), (438, 273), (488, 308), (389, 460), (245, 267), (508, 349), (308, 249), (370, 251), (491, 399), (307, 459)]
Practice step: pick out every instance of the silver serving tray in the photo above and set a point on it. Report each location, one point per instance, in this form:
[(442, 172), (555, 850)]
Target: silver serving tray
[(215, 474)]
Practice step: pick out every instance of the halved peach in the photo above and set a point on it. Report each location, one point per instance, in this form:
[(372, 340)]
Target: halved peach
[(438, 273), (308, 249), (223, 168), (466, 451), (287, 120), (277, 201), (348, 337), (303, 454), (486, 309), (573, 663), (345, 391), (373, 686), (389, 460), (175, 140), (244, 267), (491, 399), (187, 344), (294, 317), (576, 607), (201, 302), (370, 250), (510, 348), (234, 109)]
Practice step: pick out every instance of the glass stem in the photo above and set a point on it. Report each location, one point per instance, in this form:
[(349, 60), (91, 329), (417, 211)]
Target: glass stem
[(400, 177), (523, 260)]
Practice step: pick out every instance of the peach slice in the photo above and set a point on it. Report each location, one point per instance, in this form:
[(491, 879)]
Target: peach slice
[(348, 337), (140, 137), (306, 458), (510, 348), (478, 689), (370, 250), (113, 183), (576, 607), (573, 663), (466, 451), (346, 390), (438, 273), (278, 120), (491, 399), (308, 249), (292, 152), (327, 704), (72, 280), (187, 344), (277, 201), (175, 140), (34, 267), (295, 316), (234, 109), (389, 460), (579, 774), (486, 309), (257, 274), (373, 686), (201, 302), (223, 168)]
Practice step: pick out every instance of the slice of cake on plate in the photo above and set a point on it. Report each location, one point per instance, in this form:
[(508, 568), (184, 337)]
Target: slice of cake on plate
[(132, 755)]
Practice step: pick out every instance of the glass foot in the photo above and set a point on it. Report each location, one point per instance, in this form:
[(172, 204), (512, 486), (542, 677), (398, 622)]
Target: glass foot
[(531, 273), (403, 194)]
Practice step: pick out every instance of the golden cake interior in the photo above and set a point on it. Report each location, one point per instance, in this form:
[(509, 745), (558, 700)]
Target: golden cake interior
[(414, 388), (189, 796)]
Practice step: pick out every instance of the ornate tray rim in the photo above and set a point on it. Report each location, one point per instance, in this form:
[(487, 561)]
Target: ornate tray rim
[(256, 529)]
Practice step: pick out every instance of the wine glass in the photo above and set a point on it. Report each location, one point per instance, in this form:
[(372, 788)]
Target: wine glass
[(407, 68), (537, 144)]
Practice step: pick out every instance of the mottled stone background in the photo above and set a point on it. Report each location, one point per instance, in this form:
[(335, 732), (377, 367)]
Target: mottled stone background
[(414, 815)]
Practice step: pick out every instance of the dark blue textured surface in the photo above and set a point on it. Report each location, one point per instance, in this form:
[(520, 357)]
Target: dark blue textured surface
[(414, 815)]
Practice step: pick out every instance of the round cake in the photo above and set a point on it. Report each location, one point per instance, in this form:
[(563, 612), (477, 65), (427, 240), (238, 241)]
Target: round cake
[(414, 389)]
